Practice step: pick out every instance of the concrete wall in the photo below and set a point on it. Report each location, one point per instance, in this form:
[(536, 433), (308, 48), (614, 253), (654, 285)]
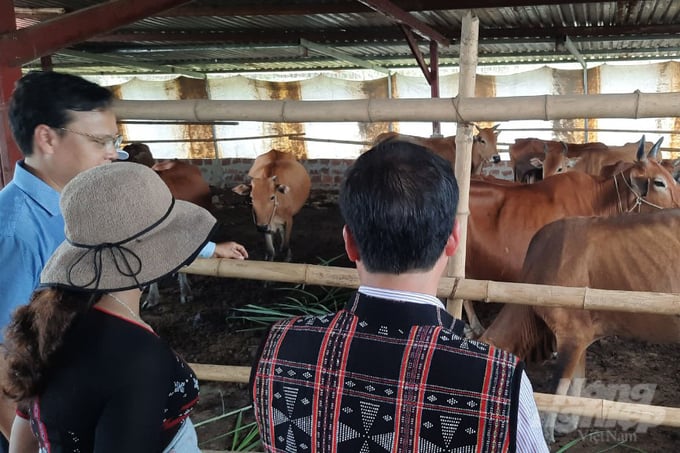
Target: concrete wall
[(326, 174)]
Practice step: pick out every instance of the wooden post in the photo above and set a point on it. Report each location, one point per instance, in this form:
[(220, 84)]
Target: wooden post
[(464, 134)]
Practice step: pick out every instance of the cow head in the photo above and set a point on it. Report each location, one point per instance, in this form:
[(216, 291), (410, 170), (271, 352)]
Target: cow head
[(140, 153), (556, 159), (484, 144), (264, 194), (653, 185)]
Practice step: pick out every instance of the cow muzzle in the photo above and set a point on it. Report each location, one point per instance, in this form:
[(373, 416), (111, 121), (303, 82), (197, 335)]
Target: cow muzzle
[(263, 228)]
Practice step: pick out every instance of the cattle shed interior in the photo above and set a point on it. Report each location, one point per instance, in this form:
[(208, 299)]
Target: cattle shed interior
[(305, 49), (363, 51)]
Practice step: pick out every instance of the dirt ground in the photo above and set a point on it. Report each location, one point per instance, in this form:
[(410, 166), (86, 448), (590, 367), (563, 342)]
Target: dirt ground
[(205, 331)]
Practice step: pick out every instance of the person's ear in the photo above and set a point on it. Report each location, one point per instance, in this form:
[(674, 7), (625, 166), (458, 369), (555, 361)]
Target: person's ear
[(350, 244), (453, 239), (45, 139)]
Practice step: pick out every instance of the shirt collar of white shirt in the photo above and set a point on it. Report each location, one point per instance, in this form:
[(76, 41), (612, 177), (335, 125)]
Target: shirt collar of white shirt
[(401, 296)]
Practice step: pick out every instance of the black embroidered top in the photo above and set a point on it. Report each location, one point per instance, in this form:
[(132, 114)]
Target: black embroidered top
[(383, 376), (115, 387)]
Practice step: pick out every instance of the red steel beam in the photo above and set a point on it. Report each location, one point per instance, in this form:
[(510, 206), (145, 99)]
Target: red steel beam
[(19, 47), (9, 152), (415, 50), (397, 14)]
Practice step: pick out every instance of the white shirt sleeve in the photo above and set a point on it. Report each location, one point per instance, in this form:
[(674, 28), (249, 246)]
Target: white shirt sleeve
[(529, 432)]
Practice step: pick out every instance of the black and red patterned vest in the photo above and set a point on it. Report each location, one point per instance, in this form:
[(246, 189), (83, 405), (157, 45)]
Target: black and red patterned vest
[(384, 376)]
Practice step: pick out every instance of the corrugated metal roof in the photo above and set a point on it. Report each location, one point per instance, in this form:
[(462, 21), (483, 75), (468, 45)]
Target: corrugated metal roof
[(264, 35)]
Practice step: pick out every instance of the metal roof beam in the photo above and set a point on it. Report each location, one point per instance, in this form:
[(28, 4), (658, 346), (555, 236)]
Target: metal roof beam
[(131, 63), (402, 17), (21, 46), (342, 56), (293, 9), (386, 34)]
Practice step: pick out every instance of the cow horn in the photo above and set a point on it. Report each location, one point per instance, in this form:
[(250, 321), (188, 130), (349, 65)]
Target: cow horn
[(641, 149), (495, 126), (655, 149), (565, 148)]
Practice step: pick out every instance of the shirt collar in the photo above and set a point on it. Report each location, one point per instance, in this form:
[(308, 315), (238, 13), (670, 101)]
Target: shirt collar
[(36, 188), (403, 296)]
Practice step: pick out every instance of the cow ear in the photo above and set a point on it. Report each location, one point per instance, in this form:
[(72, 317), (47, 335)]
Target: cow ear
[(242, 189), (283, 188), (536, 162), (572, 161)]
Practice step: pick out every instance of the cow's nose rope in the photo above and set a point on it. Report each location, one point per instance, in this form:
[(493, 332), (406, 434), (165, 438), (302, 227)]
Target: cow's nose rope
[(276, 205)]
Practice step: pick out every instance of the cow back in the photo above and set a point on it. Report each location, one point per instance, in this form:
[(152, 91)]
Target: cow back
[(185, 182), (628, 253), (484, 146)]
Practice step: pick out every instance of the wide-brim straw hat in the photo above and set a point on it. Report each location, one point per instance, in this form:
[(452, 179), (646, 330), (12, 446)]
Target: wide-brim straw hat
[(123, 230)]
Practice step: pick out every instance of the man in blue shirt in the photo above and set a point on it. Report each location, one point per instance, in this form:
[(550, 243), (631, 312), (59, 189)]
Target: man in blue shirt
[(63, 125)]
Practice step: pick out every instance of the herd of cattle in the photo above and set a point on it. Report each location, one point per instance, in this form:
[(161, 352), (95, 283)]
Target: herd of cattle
[(593, 216)]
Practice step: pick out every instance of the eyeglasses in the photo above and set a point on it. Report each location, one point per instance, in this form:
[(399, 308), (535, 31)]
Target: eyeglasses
[(102, 140)]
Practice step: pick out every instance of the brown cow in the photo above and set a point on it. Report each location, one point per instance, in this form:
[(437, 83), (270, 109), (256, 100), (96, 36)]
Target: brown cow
[(483, 146), (528, 156), (185, 182), (632, 253), (504, 218), (279, 187), (592, 157)]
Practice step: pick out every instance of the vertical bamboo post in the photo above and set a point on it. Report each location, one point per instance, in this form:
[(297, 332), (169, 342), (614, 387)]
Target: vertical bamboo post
[(464, 135)]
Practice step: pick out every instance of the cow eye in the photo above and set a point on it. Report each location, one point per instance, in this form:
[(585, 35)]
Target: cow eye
[(659, 183)]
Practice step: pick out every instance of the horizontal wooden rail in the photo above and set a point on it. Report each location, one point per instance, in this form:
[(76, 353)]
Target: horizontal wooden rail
[(488, 291), (590, 407), (546, 107)]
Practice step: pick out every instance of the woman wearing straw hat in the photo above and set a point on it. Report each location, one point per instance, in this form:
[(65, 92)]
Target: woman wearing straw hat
[(87, 371)]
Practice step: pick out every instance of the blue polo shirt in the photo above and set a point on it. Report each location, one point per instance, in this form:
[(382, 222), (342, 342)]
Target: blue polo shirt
[(31, 228)]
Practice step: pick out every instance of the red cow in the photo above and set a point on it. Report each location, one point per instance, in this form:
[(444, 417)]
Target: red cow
[(278, 188), (629, 253), (504, 218), (591, 158), (483, 146)]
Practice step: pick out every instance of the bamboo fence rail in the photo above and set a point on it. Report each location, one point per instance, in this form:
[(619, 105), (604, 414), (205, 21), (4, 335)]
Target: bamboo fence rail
[(483, 290), (457, 109), (590, 407)]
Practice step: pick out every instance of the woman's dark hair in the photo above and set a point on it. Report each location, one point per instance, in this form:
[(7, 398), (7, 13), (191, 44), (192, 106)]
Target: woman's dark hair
[(34, 337)]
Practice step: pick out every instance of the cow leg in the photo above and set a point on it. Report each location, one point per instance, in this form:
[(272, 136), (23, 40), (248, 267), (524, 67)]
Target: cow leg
[(285, 240), (153, 297), (185, 293), (568, 361), (476, 327), (269, 246), (569, 422)]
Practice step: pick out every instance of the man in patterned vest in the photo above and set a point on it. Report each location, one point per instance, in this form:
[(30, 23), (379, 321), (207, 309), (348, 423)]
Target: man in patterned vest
[(392, 371)]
